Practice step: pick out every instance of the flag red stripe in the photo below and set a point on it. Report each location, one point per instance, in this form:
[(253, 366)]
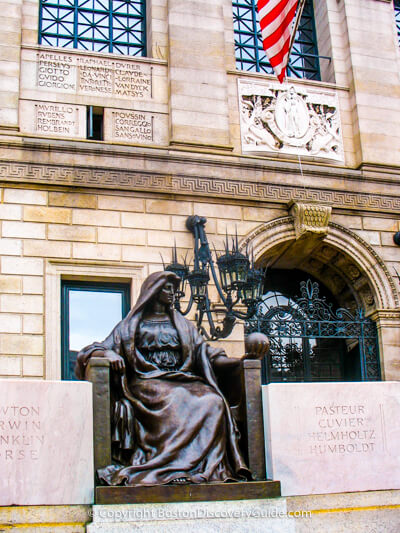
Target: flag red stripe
[(276, 17), (277, 34), (284, 23), (270, 16)]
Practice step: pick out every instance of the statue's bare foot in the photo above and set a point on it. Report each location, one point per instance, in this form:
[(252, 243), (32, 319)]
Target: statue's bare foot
[(180, 481)]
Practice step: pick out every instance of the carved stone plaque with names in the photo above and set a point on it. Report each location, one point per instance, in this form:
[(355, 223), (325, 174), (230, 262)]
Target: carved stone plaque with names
[(46, 442), (53, 119), (332, 437), (135, 127), (89, 75)]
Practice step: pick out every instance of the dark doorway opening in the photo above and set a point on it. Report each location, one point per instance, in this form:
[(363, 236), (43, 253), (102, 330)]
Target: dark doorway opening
[(312, 338)]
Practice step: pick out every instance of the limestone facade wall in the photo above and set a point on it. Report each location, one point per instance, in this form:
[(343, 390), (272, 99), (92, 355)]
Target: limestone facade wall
[(78, 208), (87, 235)]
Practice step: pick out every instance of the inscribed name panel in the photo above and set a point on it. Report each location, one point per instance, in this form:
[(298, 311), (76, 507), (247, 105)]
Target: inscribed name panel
[(332, 437), (46, 442)]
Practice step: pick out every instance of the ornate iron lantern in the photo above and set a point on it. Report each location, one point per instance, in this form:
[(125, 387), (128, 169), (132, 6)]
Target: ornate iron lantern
[(239, 283), (233, 267)]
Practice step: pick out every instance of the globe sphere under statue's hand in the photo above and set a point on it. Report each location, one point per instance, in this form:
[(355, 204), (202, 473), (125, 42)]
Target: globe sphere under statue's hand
[(257, 346)]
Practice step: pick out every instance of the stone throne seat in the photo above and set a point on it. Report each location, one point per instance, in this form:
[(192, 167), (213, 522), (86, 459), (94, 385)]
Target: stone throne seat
[(248, 414)]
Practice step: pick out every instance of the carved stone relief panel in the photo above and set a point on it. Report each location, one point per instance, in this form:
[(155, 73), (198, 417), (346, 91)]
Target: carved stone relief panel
[(290, 120)]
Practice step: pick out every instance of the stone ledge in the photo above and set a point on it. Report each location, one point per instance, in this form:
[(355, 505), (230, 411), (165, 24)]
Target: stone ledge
[(345, 501), (246, 516), (24, 516), (132, 180)]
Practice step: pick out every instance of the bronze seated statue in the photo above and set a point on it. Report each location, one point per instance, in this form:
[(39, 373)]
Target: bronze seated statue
[(171, 422)]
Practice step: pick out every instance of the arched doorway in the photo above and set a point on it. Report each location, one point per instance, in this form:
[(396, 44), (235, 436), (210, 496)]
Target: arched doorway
[(312, 338), (345, 265)]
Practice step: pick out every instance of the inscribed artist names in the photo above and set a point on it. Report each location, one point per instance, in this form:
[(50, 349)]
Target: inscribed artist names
[(93, 75), (135, 127), (54, 119)]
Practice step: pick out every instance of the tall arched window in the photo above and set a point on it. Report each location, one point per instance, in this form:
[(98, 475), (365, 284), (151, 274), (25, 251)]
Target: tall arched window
[(250, 56), (114, 26)]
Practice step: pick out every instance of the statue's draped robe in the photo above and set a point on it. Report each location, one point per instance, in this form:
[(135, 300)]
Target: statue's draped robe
[(182, 424)]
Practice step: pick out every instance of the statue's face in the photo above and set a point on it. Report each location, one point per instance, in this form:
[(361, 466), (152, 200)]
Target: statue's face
[(166, 294)]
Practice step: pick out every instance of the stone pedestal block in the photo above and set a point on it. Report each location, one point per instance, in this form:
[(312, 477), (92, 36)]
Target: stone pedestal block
[(332, 437), (243, 516), (46, 443)]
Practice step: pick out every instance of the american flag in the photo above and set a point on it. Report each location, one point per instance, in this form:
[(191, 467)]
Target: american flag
[(276, 22)]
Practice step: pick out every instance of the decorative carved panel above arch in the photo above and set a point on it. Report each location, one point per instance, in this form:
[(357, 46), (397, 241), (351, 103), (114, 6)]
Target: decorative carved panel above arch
[(311, 218)]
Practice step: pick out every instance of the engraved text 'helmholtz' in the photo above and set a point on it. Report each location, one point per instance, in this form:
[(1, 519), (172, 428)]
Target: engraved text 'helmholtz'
[(335, 431)]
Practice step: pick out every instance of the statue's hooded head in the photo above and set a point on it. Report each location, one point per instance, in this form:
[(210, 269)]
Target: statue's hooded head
[(152, 285)]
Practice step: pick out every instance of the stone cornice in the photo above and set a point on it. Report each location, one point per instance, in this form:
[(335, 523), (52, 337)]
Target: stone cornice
[(177, 184), (25, 147), (386, 316)]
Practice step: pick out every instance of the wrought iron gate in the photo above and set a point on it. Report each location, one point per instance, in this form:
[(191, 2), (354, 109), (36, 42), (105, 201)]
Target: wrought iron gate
[(311, 342)]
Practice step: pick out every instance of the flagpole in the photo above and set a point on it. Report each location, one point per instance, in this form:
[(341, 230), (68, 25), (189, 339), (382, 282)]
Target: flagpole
[(296, 24)]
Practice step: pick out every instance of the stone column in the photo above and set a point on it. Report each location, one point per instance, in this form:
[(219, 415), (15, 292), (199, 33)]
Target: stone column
[(373, 77), (388, 325), (10, 50), (197, 74)]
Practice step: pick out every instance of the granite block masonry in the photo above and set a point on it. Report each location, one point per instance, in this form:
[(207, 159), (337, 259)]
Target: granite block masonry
[(46, 443), (332, 437)]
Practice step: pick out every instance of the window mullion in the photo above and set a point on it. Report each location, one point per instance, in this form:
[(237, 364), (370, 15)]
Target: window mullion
[(76, 18), (110, 26)]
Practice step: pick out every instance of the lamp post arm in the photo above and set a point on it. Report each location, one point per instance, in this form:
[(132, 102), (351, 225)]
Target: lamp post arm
[(196, 225), (215, 331), (217, 284), (241, 316), (188, 308)]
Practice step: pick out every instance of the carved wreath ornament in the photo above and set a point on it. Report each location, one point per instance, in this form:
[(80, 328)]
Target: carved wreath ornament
[(287, 121)]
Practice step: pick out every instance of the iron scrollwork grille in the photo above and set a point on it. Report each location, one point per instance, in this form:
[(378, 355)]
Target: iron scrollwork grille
[(250, 56), (303, 330), (112, 26)]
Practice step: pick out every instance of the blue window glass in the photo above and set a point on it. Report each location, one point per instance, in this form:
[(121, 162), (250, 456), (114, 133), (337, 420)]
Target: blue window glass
[(89, 311), (397, 16), (250, 56), (114, 26)]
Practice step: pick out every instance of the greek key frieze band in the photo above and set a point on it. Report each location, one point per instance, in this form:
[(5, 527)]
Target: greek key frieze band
[(218, 187)]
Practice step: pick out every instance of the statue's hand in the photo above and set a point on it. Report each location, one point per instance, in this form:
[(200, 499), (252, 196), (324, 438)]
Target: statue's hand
[(257, 346), (116, 361)]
